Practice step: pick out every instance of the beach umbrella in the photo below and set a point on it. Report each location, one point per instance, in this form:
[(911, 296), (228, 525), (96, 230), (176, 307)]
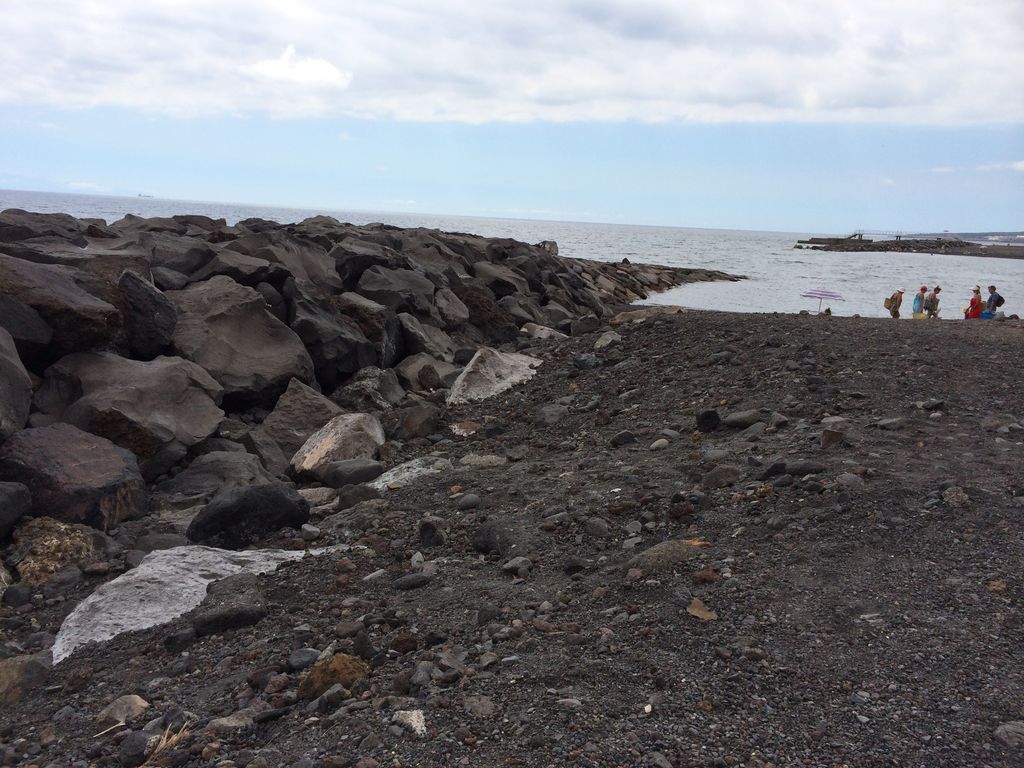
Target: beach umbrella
[(821, 294)]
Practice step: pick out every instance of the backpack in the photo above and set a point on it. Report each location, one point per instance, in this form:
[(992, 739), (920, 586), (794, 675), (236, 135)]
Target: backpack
[(888, 302), (1000, 300)]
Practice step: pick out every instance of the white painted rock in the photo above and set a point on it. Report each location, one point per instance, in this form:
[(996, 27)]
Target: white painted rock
[(535, 331), (412, 720), (491, 372), (348, 436), (165, 585), (403, 474)]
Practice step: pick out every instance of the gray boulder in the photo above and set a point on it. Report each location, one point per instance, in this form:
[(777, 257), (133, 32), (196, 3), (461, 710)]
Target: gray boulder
[(299, 412), (30, 332), (226, 328), (372, 389), (151, 317), (75, 477), (216, 471), (378, 324), (15, 388), (157, 409), (401, 290), (79, 320), (491, 372), (348, 436), (15, 503), (246, 270), (422, 372), (335, 342), (501, 280), (422, 338), (237, 517), (452, 313)]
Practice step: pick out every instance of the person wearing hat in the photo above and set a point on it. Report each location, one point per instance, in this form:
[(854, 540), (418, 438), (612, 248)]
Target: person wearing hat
[(931, 302), (919, 300), (895, 301), (977, 304)]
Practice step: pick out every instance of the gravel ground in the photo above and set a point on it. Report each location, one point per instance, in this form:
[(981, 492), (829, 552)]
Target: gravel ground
[(850, 605)]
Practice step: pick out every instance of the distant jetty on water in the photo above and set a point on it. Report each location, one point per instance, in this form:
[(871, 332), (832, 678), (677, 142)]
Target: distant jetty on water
[(1002, 245)]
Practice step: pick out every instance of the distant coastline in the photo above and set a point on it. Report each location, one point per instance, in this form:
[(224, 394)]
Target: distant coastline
[(949, 244)]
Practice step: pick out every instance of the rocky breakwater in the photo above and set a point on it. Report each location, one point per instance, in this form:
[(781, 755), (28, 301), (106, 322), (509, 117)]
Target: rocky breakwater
[(177, 381)]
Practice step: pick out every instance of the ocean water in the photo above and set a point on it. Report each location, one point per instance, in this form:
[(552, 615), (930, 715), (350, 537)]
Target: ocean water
[(777, 273)]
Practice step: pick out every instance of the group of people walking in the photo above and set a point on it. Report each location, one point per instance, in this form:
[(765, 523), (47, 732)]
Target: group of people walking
[(926, 303)]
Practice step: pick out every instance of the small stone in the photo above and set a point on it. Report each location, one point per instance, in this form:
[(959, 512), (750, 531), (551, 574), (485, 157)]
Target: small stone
[(1011, 734), (708, 420), (625, 437), (411, 581), (467, 501), (597, 527), (721, 476), (122, 710), (302, 659), (480, 707), (430, 532), (660, 444), (520, 566), (411, 720), (742, 419), (310, 532)]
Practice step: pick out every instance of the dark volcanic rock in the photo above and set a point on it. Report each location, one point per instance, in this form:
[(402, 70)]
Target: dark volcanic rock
[(15, 388), (226, 329), (15, 502), (230, 603), (336, 343), (241, 516), (299, 412), (74, 476), (401, 290), (30, 332), (217, 471), (708, 420), (79, 320), (151, 319), (372, 389), (157, 409), (350, 472)]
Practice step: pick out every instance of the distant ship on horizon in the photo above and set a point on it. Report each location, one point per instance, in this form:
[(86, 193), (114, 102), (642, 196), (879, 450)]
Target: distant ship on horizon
[(142, 195)]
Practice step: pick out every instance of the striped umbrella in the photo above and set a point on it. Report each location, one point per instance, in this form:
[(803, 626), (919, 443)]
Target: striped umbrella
[(821, 294)]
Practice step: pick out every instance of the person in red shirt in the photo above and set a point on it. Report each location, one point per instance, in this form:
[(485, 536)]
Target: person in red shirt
[(977, 304)]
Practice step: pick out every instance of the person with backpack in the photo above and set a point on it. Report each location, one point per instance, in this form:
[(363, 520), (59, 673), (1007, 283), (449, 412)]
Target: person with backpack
[(931, 302), (995, 301), (894, 302), (919, 298)]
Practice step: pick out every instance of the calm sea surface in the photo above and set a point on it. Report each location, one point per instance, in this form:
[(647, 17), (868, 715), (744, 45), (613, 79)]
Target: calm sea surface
[(777, 272)]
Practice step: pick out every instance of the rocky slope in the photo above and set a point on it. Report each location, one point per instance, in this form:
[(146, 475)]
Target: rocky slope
[(680, 540)]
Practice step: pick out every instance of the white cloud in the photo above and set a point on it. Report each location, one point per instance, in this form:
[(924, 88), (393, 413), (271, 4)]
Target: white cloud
[(1015, 166), (905, 61), (1018, 166), (301, 72)]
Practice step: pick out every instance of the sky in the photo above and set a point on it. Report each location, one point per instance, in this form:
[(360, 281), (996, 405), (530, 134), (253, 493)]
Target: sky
[(791, 115)]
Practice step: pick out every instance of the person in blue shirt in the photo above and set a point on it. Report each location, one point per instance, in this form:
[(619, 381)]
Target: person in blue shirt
[(995, 301), (919, 300)]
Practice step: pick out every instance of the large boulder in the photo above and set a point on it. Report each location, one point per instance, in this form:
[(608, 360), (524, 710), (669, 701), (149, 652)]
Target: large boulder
[(348, 436), (452, 313), (422, 372), (167, 584), (151, 316), (378, 324), (486, 314), (15, 503), (15, 388), (238, 517), (420, 337), (491, 372), (401, 290), (156, 409), (299, 412), (335, 342), (247, 270), (372, 389), (30, 332), (17, 225), (216, 471), (226, 328), (74, 476), (501, 280), (79, 320)]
